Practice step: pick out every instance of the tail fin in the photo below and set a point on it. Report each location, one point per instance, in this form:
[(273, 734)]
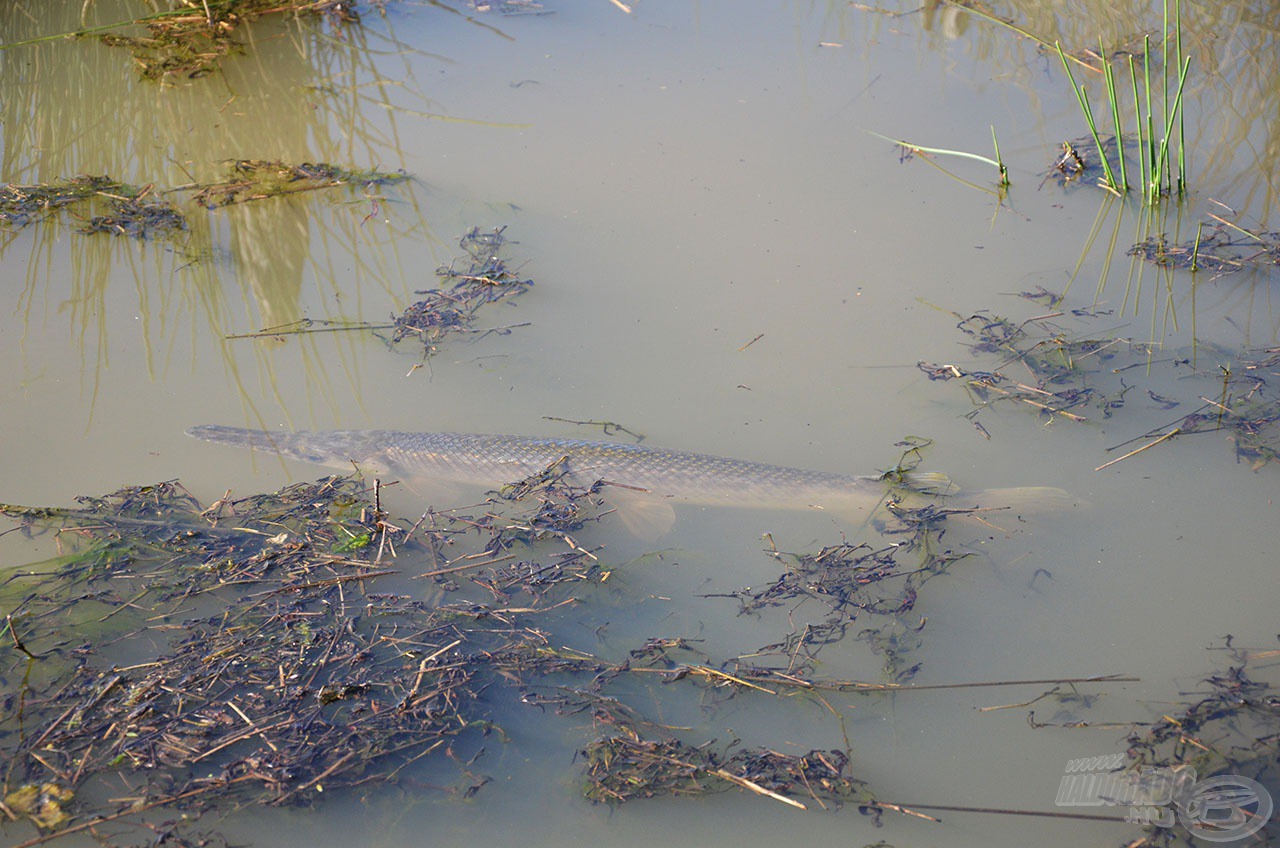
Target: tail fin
[(1023, 500)]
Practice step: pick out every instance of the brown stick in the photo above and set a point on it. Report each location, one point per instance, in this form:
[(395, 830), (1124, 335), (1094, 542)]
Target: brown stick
[(1169, 435)]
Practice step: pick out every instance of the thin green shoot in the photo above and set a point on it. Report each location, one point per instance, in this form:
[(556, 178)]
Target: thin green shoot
[(1162, 164), (1182, 124), (1109, 75), (1237, 228), (1153, 147), (1164, 65), (941, 151), (1195, 249), (1149, 176), (1004, 172), (1083, 99), (1137, 111)]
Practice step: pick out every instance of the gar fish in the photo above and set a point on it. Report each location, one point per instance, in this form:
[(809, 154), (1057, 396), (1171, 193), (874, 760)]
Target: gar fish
[(643, 481)]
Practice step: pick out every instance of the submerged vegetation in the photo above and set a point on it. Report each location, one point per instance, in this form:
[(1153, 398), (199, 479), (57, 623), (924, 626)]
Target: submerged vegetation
[(191, 39), (1224, 249), (1154, 167), (174, 659), (142, 213), (1157, 130), (129, 210), (273, 650), (269, 650), (1064, 374), (484, 278)]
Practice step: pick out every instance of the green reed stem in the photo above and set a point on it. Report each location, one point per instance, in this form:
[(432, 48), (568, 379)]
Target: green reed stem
[(1149, 179), (1083, 99), (1109, 75), (1162, 164), (1004, 172), (1182, 125), (942, 151), (1137, 113)]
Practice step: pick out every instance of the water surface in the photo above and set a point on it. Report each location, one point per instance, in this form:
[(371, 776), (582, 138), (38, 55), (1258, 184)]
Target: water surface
[(678, 182)]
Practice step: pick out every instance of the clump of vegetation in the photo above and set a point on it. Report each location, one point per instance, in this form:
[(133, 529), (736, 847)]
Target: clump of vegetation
[(449, 310), (142, 213), (484, 278), (1077, 163), (261, 650), (194, 38), (256, 179), (1060, 375), (1229, 730), (1224, 249), (262, 666), (256, 685), (129, 211), (626, 767), (1155, 133)]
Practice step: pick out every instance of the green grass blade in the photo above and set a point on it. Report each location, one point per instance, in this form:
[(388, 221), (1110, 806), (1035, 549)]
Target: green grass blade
[(1137, 116), (940, 150), (1182, 124), (1083, 99), (1004, 172), (1097, 140), (1162, 166), (1109, 75), (1153, 177), (1164, 66)]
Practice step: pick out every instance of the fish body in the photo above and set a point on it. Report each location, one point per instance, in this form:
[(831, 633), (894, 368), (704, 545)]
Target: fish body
[(632, 470)]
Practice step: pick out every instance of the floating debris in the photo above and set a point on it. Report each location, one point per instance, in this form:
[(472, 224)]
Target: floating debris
[(132, 211), (444, 311), (22, 204), (626, 767), (855, 579), (486, 278), (1224, 249), (256, 179), (1078, 378), (1077, 162), (266, 650), (136, 217), (261, 667), (1203, 764), (193, 40), (141, 213)]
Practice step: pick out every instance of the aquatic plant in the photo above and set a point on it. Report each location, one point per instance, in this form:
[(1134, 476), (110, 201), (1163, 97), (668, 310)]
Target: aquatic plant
[(1156, 177), (998, 163), (1079, 377)]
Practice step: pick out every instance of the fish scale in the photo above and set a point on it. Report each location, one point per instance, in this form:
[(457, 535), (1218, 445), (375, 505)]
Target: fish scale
[(494, 460)]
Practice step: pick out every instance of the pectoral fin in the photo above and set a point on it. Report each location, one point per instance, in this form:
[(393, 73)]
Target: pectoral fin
[(928, 482), (646, 515)]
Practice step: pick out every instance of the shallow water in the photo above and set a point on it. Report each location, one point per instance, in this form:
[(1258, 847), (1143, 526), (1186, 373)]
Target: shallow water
[(678, 182)]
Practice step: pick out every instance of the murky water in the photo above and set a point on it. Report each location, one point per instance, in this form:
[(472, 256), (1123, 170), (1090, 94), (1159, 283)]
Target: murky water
[(681, 181)]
